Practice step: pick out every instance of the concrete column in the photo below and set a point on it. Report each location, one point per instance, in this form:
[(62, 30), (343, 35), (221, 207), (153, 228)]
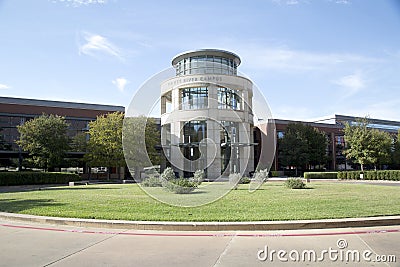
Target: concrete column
[(163, 104), (176, 155), (213, 150)]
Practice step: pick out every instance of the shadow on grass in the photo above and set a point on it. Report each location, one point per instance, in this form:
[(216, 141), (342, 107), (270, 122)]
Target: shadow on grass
[(84, 187), (195, 192), (266, 188), (26, 188), (15, 205), (306, 188)]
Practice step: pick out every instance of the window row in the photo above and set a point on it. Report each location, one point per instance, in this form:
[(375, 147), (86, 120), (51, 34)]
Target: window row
[(197, 98), (206, 64), (193, 132)]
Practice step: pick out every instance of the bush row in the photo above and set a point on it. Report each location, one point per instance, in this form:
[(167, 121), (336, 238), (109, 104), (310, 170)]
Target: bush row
[(320, 175), (29, 178), (170, 182), (277, 173), (393, 175)]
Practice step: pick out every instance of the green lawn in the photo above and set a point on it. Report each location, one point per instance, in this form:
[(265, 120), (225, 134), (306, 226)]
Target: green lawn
[(272, 202)]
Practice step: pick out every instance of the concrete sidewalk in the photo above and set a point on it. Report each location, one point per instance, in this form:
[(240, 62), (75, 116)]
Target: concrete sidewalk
[(49, 245), (207, 226)]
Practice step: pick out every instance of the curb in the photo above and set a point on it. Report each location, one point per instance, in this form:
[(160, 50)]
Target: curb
[(207, 226)]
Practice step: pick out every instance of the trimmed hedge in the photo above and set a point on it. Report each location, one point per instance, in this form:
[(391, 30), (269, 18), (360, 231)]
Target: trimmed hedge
[(277, 173), (29, 178), (393, 175), (320, 175)]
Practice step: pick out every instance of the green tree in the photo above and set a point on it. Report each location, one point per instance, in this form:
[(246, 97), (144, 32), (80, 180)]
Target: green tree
[(141, 137), (105, 141), (79, 142), (317, 143), (365, 145), (302, 145), (45, 139), (381, 143)]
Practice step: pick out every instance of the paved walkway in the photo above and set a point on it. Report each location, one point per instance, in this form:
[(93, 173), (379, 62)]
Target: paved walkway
[(32, 244)]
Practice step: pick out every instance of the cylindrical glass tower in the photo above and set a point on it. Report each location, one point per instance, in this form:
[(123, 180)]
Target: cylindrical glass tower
[(206, 115)]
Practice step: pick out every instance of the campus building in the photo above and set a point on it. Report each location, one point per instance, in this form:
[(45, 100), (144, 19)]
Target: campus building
[(206, 115), (333, 129), (16, 111), (206, 120)]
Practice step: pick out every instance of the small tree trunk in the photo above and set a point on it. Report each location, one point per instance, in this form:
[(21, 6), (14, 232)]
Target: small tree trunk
[(362, 167)]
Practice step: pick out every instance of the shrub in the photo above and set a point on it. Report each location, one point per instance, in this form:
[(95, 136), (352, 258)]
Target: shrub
[(355, 175), (394, 175), (386, 175), (277, 173), (295, 183), (371, 175), (152, 181), (198, 177), (168, 174), (30, 178), (320, 175), (244, 180), (180, 185)]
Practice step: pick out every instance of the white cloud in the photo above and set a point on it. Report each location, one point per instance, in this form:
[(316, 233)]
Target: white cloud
[(97, 44), (296, 2), (346, 2), (120, 83), (78, 3), (352, 83), (289, 2), (387, 110), (292, 2), (286, 59), (4, 86)]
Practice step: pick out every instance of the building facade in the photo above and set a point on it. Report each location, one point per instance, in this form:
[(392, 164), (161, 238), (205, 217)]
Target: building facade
[(16, 111), (206, 115), (333, 130)]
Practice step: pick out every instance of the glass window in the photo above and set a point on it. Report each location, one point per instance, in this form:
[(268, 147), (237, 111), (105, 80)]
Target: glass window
[(206, 64), (194, 98), (229, 99), (193, 133), (229, 135)]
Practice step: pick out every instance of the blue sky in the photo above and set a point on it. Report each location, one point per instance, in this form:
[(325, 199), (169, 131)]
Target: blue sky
[(311, 59)]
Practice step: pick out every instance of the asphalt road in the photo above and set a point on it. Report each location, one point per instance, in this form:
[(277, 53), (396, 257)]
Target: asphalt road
[(48, 245)]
